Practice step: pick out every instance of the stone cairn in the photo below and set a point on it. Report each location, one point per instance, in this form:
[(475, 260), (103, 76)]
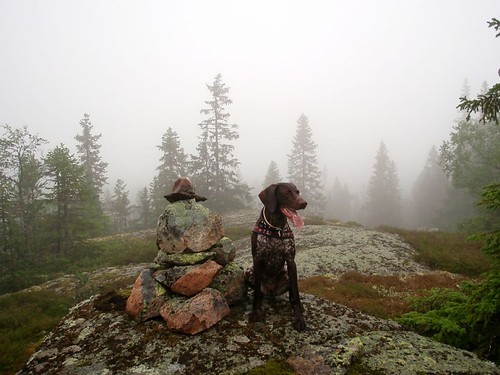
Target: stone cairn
[(193, 279)]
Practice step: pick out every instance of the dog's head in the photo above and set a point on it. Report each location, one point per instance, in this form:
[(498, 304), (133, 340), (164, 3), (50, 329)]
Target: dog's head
[(284, 197)]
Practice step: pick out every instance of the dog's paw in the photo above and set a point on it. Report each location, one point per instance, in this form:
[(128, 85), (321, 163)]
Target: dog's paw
[(299, 323), (256, 316)]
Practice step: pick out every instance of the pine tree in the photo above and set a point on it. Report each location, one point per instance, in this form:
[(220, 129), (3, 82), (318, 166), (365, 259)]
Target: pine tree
[(303, 168), (384, 198), (272, 176), (88, 149), (215, 169)]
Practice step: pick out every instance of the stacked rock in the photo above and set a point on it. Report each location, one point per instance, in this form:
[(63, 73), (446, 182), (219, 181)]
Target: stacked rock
[(193, 280)]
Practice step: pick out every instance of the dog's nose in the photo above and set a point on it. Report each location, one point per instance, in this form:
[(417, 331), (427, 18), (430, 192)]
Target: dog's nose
[(303, 204)]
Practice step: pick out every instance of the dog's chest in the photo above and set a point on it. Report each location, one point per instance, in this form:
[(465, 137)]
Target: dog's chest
[(275, 251)]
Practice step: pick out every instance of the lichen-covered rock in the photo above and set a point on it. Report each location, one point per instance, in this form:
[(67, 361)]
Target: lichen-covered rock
[(94, 338), (334, 249), (146, 297), (188, 225), (196, 279), (164, 260), (169, 276), (230, 281), (308, 362), (396, 353), (196, 314), (225, 251)]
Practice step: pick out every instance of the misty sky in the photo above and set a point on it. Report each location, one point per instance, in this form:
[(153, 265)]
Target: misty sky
[(361, 71)]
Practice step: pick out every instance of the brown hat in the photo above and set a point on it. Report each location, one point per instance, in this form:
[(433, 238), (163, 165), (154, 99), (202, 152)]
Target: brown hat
[(183, 190)]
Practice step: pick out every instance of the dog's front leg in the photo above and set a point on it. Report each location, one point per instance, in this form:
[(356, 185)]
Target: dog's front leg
[(257, 314), (298, 322)]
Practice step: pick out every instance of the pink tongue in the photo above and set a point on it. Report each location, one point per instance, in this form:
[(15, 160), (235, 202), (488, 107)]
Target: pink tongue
[(297, 221)]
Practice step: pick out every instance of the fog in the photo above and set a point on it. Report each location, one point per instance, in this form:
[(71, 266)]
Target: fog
[(361, 71)]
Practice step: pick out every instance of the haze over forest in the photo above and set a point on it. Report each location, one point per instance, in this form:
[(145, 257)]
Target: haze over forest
[(362, 72)]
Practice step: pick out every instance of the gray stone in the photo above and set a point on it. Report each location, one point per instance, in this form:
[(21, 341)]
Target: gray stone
[(230, 281), (225, 251)]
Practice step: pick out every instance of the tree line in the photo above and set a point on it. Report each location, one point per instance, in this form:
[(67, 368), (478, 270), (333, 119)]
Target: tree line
[(49, 203)]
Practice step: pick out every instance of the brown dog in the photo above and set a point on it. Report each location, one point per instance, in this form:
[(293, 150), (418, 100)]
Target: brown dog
[(273, 250)]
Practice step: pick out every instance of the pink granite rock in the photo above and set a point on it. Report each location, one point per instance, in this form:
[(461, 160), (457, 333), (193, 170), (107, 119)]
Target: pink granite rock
[(195, 314), (196, 279)]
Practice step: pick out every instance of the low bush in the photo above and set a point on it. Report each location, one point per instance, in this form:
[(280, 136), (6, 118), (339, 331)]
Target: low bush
[(25, 318)]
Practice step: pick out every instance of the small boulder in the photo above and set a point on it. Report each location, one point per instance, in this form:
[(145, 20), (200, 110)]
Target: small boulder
[(186, 224), (195, 314), (196, 279)]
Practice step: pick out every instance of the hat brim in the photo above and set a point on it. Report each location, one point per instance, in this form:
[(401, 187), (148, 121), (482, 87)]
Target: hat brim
[(175, 197)]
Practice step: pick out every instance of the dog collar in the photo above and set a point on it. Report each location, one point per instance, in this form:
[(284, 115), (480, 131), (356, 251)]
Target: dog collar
[(267, 229)]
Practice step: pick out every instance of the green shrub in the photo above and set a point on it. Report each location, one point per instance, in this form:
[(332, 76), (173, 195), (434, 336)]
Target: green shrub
[(470, 318), (25, 318)]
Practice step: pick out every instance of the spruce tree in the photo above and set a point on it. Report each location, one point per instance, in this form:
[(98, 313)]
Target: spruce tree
[(303, 168), (88, 149), (21, 210), (173, 164), (145, 218), (120, 207), (272, 175), (383, 204), (215, 171), (67, 192), (157, 198), (339, 202), (430, 193)]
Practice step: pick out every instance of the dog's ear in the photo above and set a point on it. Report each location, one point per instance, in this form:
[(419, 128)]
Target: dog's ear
[(268, 197)]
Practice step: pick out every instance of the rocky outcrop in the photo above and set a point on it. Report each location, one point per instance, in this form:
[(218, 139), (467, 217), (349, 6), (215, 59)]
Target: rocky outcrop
[(97, 337)]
